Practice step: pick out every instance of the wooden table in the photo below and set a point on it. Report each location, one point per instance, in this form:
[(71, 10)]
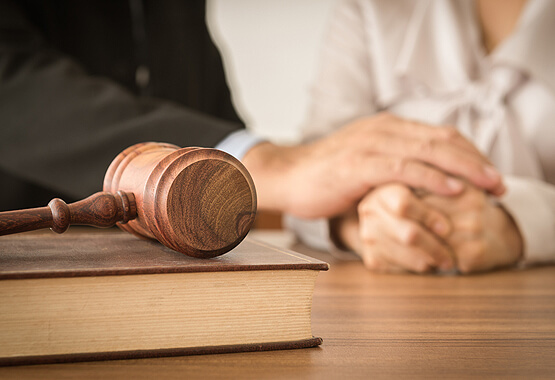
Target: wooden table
[(495, 325)]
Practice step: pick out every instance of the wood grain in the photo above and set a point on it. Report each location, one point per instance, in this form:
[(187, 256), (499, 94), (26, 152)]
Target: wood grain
[(99, 210), (197, 201), (496, 325)]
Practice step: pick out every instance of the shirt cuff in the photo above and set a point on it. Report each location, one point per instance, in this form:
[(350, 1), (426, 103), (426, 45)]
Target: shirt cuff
[(533, 216), (315, 233), (238, 143)]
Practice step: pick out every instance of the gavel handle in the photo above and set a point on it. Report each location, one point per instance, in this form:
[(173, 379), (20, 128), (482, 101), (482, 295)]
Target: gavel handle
[(101, 209)]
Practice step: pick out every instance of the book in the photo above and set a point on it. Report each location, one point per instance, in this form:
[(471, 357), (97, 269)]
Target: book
[(97, 295)]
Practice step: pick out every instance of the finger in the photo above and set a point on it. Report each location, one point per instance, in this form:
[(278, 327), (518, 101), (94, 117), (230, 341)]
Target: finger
[(386, 169), (376, 250), (388, 123), (499, 190), (374, 260), (413, 236), (403, 203), (468, 226), (418, 254), (395, 255), (471, 256), (471, 201), (441, 154), (452, 135), (371, 248), (415, 129)]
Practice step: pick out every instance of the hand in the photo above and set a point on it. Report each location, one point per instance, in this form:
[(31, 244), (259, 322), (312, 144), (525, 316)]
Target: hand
[(484, 235), (327, 177), (395, 231)]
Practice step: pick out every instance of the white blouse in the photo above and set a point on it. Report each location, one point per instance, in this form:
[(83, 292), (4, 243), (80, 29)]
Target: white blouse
[(424, 60)]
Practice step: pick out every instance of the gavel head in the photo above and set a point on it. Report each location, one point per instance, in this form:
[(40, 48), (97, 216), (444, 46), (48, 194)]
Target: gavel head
[(198, 201)]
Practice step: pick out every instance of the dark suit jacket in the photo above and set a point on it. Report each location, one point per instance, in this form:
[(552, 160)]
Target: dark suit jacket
[(69, 99)]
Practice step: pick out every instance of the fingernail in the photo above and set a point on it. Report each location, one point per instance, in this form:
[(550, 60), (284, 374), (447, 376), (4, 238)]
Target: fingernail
[(492, 173), (440, 228), (454, 184)]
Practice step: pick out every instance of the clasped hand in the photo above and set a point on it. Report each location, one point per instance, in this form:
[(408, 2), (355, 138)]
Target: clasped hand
[(396, 230)]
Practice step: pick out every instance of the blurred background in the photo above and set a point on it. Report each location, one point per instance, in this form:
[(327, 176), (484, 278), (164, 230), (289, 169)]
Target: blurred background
[(270, 51)]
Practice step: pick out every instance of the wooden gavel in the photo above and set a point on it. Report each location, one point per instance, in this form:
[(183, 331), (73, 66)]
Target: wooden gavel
[(198, 201)]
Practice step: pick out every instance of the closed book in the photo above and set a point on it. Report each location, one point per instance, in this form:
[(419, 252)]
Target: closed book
[(99, 295)]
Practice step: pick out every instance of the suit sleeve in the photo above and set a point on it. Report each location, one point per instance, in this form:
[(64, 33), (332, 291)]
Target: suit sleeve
[(60, 127)]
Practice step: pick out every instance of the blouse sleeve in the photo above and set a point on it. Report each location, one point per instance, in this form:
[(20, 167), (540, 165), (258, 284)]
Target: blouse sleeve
[(531, 203), (343, 88), (341, 92)]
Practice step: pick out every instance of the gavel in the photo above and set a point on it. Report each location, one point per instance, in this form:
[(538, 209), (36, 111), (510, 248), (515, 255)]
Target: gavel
[(197, 201)]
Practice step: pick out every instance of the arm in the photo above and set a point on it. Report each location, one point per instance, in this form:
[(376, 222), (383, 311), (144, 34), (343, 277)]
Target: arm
[(343, 89), (367, 151), (61, 127), (330, 175)]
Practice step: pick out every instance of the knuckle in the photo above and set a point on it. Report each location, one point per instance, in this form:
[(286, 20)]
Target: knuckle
[(432, 219), (427, 146), (399, 166), (450, 133), (367, 233), (409, 235), (400, 204), (367, 206)]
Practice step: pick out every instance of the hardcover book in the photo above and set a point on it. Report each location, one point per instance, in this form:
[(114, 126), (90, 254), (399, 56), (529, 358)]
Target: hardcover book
[(99, 295)]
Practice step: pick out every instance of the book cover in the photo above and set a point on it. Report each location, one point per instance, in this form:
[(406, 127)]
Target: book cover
[(96, 295)]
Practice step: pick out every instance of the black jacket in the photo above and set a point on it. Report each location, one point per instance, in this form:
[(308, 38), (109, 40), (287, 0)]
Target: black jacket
[(69, 94)]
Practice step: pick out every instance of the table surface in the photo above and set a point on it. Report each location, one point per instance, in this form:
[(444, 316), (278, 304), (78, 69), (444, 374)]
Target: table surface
[(500, 324)]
